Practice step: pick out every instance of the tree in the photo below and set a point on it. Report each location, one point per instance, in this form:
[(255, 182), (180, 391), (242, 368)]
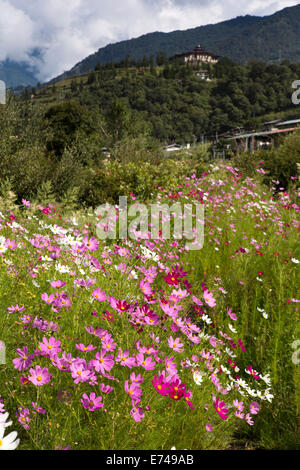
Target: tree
[(66, 121), (161, 59)]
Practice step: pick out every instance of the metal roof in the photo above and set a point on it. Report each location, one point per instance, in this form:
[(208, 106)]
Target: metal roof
[(284, 123), (266, 133)]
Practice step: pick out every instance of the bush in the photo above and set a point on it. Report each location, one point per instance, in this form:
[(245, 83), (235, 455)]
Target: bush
[(279, 163)]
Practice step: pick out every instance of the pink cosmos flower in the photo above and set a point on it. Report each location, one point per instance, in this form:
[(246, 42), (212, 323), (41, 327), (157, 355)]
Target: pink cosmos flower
[(99, 295), (147, 363), (171, 367), (23, 415), (11, 244), (84, 348), (106, 388), (79, 370), (208, 427), (57, 284), (249, 420), (133, 390), (103, 363), (209, 299), (137, 413), (26, 203), (254, 408), (26, 319), (231, 314), (175, 344), (25, 359), (91, 244), (39, 376), (15, 308), (50, 347), (91, 403), (108, 343), (125, 359), (137, 379), (238, 405), (39, 409), (47, 298)]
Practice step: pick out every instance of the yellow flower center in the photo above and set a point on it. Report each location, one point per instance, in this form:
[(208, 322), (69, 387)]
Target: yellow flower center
[(39, 378)]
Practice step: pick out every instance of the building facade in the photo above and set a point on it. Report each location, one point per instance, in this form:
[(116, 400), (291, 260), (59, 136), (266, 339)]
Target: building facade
[(199, 54)]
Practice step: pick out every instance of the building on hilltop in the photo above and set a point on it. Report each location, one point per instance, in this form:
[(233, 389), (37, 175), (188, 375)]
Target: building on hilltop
[(199, 54)]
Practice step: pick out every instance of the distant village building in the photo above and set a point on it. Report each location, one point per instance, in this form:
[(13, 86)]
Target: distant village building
[(199, 54), (175, 147), (203, 74)]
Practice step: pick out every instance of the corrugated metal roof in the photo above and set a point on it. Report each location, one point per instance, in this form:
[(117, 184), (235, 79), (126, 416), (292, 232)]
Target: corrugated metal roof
[(284, 123)]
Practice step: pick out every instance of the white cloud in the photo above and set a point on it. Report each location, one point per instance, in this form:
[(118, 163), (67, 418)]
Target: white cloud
[(66, 31)]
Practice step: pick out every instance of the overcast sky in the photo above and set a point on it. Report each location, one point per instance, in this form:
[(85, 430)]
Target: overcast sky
[(66, 31)]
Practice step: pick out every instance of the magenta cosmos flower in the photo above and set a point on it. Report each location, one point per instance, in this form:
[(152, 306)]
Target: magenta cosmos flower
[(91, 402), (39, 376), (221, 409), (160, 385)]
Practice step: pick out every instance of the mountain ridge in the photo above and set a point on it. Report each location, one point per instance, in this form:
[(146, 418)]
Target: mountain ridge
[(266, 38), (240, 39)]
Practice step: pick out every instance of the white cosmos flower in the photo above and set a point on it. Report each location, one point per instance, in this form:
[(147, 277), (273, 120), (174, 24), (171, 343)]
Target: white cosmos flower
[(232, 328), (8, 442), (230, 353), (198, 377), (206, 319), (266, 379), (3, 418), (294, 260), (268, 395), (242, 383)]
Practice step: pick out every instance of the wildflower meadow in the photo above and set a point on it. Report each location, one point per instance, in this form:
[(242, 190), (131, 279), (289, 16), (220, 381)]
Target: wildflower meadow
[(142, 343)]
